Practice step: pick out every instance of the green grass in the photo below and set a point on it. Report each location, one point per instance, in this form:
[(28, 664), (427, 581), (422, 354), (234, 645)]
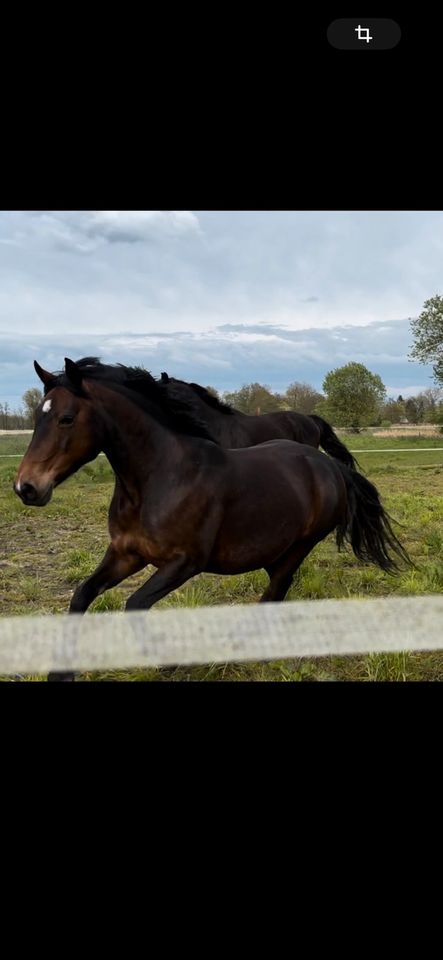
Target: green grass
[(14, 443), (370, 441), (46, 553)]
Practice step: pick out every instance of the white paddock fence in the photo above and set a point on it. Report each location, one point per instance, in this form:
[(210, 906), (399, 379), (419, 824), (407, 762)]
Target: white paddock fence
[(219, 634)]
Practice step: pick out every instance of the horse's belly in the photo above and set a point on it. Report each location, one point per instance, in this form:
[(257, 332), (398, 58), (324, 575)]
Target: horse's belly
[(239, 548)]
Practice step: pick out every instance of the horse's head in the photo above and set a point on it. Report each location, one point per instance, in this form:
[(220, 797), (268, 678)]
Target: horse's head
[(66, 436)]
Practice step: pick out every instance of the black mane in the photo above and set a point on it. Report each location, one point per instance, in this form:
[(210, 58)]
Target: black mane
[(211, 400), (201, 392), (176, 413)]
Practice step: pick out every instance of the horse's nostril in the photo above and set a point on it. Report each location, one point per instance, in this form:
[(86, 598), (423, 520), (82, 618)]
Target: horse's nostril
[(28, 491)]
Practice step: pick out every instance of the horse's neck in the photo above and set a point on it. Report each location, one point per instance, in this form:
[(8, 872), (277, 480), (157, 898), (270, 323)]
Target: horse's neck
[(135, 443), (207, 414)]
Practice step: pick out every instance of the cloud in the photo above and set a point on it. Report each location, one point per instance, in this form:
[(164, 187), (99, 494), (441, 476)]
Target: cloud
[(135, 226), (84, 231), (266, 328), (99, 271), (225, 357)]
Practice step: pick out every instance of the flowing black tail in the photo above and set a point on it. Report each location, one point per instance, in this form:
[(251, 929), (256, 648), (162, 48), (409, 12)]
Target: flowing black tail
[(367, 527), (332, 445)]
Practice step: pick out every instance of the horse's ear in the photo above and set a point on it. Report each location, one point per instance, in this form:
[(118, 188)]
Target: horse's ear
[(73, 373), (47, 378), (164, 378)]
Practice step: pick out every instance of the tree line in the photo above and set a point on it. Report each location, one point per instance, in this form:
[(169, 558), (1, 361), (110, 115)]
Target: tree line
[(23, 418), (352, 397)]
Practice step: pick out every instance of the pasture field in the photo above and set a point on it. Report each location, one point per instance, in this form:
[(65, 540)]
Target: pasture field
[(45, 553)]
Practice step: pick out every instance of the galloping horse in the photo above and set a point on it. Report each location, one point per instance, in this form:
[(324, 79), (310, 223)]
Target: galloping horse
[(232, 428), (183, 503)]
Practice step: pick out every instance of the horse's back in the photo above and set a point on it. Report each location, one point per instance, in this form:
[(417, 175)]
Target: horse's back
[(294, 426), (286, 447)]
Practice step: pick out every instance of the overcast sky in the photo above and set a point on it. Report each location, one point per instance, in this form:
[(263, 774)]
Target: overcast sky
[(222, 298)]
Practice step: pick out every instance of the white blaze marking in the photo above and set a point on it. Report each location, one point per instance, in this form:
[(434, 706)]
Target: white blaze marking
[(46, 406), (17, 486)]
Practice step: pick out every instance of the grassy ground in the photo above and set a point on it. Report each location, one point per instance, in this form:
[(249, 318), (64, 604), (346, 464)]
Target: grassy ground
[(45, 553)]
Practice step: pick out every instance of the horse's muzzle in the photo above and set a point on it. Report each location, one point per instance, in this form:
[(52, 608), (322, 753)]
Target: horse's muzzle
[(31, 496)]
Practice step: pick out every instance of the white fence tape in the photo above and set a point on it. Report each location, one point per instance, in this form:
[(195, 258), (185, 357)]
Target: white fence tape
[(219, 634)]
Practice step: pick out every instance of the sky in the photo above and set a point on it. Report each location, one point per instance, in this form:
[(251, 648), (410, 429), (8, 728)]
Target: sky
[(218, 297)]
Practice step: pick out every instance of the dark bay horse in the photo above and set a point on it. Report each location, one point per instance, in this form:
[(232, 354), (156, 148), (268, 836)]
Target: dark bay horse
[(232, 428), (182, 502)]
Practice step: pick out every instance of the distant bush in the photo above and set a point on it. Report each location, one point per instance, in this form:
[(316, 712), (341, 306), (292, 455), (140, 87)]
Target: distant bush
[(386, 424)]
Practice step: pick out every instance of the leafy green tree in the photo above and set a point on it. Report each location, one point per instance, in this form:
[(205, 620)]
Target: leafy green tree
[(438, 413), (413, 410), (31, 399), (394, 410), (253, 398), (431, 399), (423, 406), (354, 396), (427, 330), (302, 397)]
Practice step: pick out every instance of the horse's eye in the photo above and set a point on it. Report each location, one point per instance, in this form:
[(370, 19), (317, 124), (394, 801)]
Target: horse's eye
[(65, 421)]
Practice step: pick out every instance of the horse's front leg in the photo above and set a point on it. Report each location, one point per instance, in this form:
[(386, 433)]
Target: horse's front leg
[(114, 568)]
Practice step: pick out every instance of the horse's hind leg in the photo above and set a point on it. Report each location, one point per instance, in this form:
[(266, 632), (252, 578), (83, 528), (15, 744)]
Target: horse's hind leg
[(281, 573)]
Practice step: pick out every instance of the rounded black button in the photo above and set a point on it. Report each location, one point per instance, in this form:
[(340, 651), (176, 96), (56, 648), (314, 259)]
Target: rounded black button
[(358, 34)]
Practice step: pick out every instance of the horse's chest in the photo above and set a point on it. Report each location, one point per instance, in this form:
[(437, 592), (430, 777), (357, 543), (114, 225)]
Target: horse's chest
[(130, 533)]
